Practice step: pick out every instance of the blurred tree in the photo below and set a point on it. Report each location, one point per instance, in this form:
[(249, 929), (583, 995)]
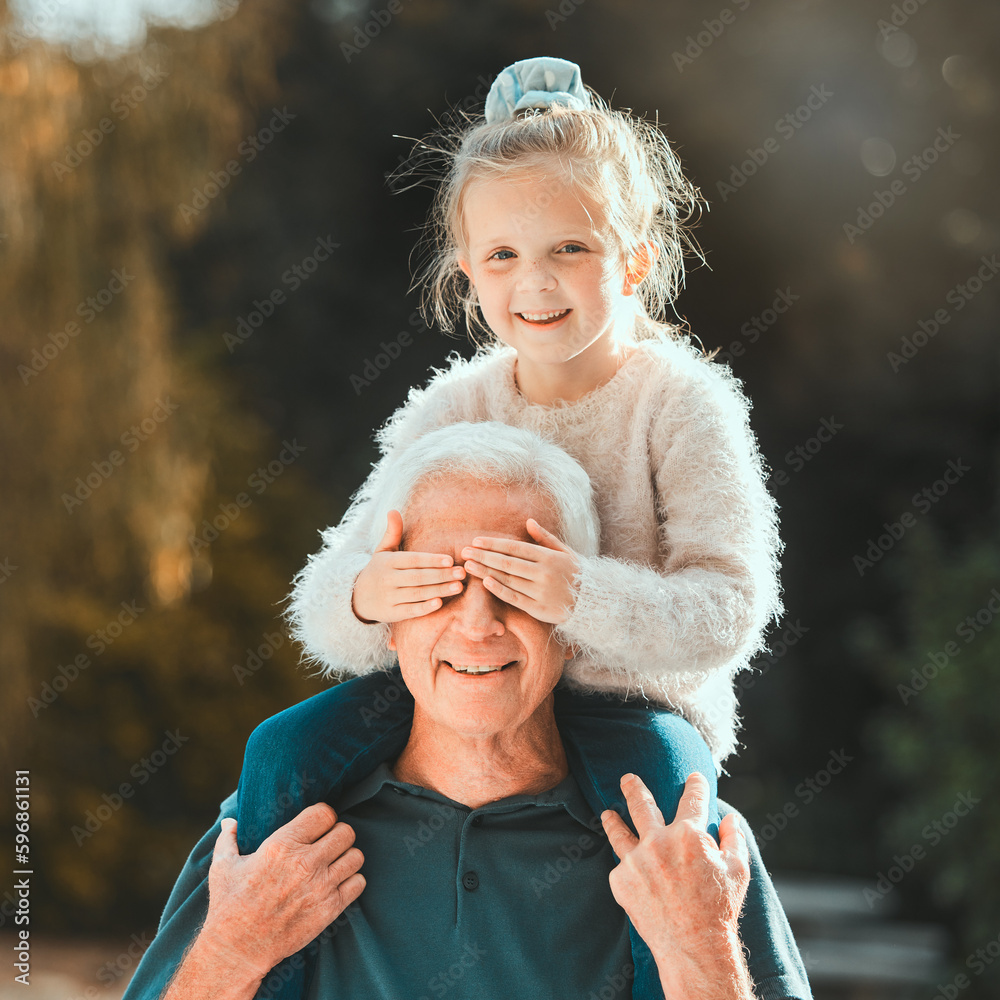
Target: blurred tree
[(940, 742)]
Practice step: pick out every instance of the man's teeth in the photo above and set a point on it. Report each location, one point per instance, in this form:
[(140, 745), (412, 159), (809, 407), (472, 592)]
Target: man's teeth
[(541, 317), (476, 668)]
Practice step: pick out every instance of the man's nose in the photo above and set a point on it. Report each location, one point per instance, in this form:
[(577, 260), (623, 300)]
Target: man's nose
[(477, 613)]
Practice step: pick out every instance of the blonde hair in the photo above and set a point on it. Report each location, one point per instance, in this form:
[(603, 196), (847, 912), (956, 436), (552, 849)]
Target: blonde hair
[(621, 163)]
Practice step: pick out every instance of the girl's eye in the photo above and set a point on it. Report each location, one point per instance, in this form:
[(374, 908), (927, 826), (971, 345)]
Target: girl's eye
[(569, 246), (494, 255), (572, 246)]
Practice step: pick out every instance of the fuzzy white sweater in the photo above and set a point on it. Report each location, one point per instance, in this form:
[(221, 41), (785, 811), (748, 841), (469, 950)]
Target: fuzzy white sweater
[(686, 583)]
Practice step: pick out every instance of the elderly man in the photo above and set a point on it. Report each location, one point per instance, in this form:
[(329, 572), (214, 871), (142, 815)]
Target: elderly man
[(485, 872)]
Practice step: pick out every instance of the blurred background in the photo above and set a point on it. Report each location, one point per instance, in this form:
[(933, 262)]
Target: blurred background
[(203, 282)]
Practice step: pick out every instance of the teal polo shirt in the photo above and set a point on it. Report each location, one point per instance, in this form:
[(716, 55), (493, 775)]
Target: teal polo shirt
[(508, 899), (511, 899)]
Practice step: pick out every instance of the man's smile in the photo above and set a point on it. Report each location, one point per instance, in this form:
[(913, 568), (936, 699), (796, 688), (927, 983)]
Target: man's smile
[(477, 669)]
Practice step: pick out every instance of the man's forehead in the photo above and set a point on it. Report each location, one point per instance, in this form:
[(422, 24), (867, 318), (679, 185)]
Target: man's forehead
[(458, 512)]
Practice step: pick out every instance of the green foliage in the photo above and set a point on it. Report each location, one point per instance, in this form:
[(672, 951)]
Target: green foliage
[(940, 738)]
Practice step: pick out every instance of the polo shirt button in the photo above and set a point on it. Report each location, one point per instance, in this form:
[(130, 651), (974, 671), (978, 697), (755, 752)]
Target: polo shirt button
[(477, 820), (470, 880)]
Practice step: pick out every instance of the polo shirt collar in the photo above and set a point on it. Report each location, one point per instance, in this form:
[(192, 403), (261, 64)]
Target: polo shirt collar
[(567, 794)]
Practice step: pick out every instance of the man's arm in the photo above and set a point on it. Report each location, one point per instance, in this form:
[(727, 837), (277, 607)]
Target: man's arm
[(683, 892), (268, 905)]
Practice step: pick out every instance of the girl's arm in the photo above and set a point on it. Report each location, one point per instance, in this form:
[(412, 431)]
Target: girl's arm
[(707, 603), (320, 612)]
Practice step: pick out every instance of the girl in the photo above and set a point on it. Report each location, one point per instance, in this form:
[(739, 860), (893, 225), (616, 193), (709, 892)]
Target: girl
[(564, 226)]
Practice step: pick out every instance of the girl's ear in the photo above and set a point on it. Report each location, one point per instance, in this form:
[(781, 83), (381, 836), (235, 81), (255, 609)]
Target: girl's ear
[(641, 262), (467, 268)]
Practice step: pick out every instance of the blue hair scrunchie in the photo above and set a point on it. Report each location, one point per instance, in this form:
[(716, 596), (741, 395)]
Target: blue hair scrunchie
[(535, 83)]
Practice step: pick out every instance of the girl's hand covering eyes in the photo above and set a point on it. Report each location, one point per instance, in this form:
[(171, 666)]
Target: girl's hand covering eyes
[(395, 585), (538, 578)]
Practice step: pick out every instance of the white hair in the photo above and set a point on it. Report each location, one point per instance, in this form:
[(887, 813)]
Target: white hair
[(493, 453)]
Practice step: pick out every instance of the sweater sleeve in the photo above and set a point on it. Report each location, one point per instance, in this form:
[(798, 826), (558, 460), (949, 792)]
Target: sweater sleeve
[(703, 609), (320, 612)]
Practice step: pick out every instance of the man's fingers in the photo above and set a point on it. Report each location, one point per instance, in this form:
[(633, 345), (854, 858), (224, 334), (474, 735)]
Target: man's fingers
[(346, 865), (642, 806), (621, 837), (693, 805), (351, 888), (225, 843), (732, 840), (393, 532), (312, 824), (335, 843)]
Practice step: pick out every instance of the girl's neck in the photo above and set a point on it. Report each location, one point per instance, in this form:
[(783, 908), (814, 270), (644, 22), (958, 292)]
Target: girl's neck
[(571, 380)]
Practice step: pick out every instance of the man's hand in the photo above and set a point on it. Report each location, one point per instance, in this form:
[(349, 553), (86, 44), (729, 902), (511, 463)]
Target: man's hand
[(535, 578), (682, 891), (398, 585), (267, 905)]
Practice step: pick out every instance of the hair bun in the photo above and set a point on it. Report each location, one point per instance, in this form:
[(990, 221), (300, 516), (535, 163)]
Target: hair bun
[(535, 83)]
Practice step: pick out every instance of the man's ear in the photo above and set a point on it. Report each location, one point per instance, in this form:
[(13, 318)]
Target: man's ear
[(392, 640)]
